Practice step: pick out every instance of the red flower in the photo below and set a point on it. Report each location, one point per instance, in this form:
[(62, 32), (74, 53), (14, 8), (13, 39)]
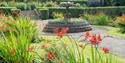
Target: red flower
[(59, 61), (51, 55), (30, 48), (12, 51), (64, 30), (60, 34), (93, 39), (99, 38), (81, 44), (87, 34), (106, 50), (42, 46), (55, 30)]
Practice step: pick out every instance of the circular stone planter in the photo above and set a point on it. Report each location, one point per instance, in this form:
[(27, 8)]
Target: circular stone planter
[(74, 25)]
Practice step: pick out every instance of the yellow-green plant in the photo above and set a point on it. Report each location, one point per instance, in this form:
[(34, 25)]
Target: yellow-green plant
[(15, 47), (57, 15)]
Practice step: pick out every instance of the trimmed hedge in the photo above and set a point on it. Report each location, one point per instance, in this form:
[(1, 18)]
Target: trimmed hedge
[(7, 10), (76, 11), (44, 13)]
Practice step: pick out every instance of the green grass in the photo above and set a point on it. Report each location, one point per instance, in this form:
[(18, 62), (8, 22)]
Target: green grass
[(112, 30)]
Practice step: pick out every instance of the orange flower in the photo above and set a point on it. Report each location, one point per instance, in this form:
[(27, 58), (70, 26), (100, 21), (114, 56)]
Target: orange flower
[(81, 44), (12, 29), (106, 50), (51, 55), (2, 26), (59, 61), (13, 22), (12, 51), (42, 46), (4, 30), (30, 48)]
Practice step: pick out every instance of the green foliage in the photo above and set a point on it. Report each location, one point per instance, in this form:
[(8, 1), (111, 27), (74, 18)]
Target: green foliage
[(44, 13), (98, 19), (51, 4), (3, 4), (57, 15), (76, 11), (21, 6), (15, 45)]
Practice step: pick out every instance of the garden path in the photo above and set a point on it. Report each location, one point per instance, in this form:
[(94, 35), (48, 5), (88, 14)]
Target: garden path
[(116, 44)]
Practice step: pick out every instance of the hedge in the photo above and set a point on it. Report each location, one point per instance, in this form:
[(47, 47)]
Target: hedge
[(76, 11), (7, 10), (44, 13)]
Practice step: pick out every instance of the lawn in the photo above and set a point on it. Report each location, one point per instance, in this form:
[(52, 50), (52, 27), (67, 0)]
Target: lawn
[(112, 30)]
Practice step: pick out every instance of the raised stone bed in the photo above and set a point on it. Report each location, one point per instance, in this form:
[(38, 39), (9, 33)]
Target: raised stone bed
[(74, 26)]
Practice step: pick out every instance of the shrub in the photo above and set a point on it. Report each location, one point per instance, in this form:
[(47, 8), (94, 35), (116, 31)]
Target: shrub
[(121, 22), (58, 15), (44, 13), (22, 6), (3, 4), (50, 4), (75, 11), (98, 19)]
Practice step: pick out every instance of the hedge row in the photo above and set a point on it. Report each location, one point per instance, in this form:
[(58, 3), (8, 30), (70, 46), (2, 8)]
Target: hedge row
[(76, 11)]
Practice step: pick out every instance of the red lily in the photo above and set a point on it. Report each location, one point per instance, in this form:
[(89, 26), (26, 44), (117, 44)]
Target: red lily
[(99, 38), (93, 39), (87, 34), (60, 34), (59, 61), (55, 30), (64, 30), (51, 55), (106, 50)]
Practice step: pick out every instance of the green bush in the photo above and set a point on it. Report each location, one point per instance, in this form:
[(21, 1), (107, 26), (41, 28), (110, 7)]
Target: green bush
[(101, 19), (44, 13), (21, 6), (7, 10), (51, 4), (12, 4), (3, 4)]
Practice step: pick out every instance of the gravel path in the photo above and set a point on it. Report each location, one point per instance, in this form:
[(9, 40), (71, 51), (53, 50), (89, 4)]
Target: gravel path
[(115, 44)]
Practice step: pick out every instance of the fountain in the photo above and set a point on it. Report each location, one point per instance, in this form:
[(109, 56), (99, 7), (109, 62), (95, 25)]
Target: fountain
[(74, 24)]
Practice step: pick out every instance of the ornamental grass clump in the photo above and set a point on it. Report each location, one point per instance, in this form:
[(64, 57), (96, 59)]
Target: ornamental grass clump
[(15, 47)]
